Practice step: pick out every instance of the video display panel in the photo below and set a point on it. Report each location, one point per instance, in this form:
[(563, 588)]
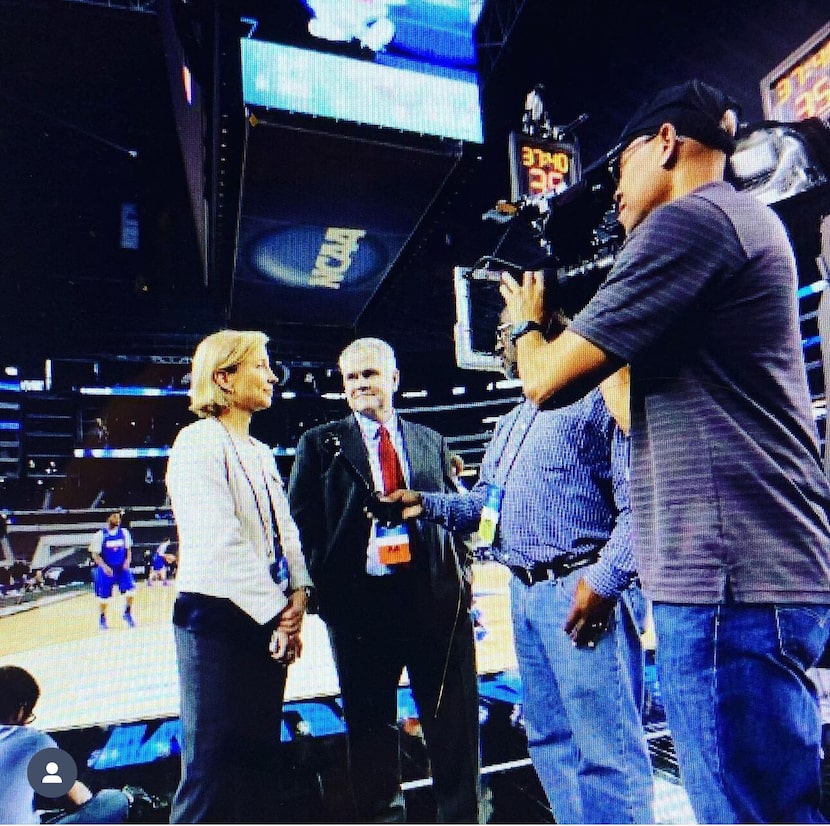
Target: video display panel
[(407, 66)]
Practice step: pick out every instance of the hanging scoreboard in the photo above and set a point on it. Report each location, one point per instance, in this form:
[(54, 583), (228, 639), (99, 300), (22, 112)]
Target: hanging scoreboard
[(541, 166), (799, 87)]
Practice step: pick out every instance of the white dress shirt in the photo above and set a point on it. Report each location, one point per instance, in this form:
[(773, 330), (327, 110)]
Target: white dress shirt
[(370, 431)]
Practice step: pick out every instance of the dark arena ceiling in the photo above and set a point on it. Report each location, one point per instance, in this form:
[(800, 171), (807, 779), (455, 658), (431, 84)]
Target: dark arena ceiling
[(90, 155)]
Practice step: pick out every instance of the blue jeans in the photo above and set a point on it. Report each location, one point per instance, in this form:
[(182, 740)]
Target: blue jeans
[(743, 714), (582, 706), (107, 806)]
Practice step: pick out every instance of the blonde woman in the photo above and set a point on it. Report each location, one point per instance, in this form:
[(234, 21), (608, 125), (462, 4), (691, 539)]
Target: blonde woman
[(242, 588)]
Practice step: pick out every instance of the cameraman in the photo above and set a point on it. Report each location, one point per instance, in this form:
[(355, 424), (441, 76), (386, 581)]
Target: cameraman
[(729, 496)]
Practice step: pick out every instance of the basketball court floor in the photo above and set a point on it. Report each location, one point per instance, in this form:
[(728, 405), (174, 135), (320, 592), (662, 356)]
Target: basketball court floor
[(94, 678)]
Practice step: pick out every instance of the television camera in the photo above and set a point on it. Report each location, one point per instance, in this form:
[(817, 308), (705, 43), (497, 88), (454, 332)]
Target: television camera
[(559, 219)]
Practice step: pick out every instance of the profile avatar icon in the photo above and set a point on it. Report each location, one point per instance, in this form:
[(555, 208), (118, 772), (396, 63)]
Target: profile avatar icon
[(52, 775), (52, 772)]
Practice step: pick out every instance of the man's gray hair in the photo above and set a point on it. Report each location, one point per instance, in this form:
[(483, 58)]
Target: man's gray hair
[(382, 348)]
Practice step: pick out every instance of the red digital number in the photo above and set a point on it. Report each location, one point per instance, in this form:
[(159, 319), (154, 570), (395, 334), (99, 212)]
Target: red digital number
[(815, 101), (561, 163), (783, 90), (536, 181), (541, 181), (803, 106), (821, 97), (554, 179)]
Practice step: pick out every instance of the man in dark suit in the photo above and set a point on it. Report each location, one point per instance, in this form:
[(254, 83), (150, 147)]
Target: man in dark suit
[(389, 602)]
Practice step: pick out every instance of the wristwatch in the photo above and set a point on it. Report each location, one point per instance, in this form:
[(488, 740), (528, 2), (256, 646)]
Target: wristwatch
[(522, 327), (310, 599)]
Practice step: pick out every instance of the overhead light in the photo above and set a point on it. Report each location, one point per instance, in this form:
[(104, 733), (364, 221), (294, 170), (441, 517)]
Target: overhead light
[(11, 371), (459, 391)]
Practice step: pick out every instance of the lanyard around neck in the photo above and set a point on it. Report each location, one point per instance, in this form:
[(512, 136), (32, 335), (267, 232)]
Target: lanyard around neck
[(273, 533)]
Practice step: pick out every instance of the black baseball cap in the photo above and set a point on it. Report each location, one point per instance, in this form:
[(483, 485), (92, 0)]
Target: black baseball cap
[(694, 107)]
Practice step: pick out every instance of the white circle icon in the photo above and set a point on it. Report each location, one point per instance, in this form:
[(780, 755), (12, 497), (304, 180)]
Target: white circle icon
[(52, 775)]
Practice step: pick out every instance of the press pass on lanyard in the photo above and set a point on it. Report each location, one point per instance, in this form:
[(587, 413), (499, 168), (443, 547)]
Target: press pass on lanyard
[(490, 514), (393, 544)]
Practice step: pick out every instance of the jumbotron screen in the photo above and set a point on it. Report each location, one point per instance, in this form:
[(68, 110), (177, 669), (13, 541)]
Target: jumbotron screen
[(410, 66)]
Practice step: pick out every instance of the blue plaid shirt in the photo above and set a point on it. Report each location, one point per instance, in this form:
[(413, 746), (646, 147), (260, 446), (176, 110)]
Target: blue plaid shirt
[(565, 477)]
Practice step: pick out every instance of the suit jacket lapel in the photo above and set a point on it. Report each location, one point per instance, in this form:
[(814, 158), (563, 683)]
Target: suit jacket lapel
[(417, 451), (351, 443)]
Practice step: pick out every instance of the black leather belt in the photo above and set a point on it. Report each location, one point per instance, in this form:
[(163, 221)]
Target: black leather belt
[(555, 569)]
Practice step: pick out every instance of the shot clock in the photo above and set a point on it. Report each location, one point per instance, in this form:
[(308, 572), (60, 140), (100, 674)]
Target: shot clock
[(799, 87), (541, 166)]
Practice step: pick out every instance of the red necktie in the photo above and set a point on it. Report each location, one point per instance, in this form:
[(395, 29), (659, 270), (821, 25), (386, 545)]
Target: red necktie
[(390, 465)]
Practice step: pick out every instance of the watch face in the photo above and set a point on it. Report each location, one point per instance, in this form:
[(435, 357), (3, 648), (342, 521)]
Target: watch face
[(518, 330)]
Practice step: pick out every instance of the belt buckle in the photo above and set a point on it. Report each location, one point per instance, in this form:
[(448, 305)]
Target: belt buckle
[(542, 572), (569, 565), (561, 567)]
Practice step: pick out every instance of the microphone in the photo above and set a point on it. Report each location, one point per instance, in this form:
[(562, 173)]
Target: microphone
[(387, 514)]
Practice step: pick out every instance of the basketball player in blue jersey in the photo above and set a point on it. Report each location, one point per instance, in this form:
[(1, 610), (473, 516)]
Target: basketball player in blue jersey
[(111, 550), (158, 566)]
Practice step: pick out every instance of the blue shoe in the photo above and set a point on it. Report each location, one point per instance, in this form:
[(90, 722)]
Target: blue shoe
[(128, 618), (102, 623)]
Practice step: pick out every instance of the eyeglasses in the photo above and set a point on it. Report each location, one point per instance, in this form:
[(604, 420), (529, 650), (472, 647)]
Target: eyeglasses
[(616, 166), (30, 719)]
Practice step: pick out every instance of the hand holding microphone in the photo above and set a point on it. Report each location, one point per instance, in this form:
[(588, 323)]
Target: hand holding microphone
[(409, 501), (388, 513)]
